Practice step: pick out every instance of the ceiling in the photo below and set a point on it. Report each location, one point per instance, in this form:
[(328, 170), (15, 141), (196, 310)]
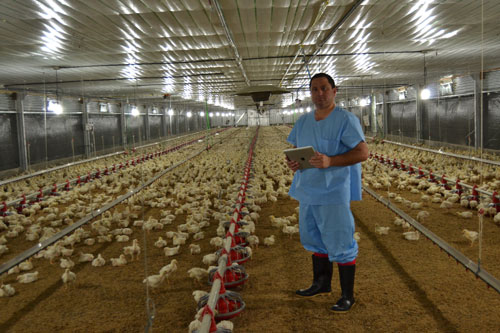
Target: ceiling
[(192, 51)]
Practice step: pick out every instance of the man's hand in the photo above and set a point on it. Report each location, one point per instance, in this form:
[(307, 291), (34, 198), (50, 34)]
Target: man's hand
[(320, 161), (294, 165)]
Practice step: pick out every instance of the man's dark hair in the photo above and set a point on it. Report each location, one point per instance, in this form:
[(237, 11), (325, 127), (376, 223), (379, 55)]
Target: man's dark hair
[(328, 77)]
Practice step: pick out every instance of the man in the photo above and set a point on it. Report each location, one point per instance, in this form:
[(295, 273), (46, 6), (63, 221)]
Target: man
[(324, 192)]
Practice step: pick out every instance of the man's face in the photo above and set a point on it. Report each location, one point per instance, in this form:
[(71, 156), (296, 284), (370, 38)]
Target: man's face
[(322, 93)]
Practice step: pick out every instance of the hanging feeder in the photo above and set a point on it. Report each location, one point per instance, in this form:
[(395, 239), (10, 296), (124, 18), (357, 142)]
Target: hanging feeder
[(444, 183), (39, 196), (474, 195), (238, 254), (495, 202), (234, 275), (458, 188), (3, 210), (229, 304), (23, 204)]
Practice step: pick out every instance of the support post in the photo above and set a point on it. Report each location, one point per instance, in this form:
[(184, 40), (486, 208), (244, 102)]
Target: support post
[(86, 128), (373, 105), (418, 115), (21, 131), (123, 126), (148, 129), (385, 116), (164, 122), (478, 96)]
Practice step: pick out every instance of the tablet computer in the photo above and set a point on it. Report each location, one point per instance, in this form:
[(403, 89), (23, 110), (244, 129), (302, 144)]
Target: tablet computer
[(301, 155)]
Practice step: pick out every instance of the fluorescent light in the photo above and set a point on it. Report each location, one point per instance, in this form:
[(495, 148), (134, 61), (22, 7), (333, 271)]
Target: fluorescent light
[(217, 114), (55, 106), (170, 112), (211, 114), (308, 109), (135, 111), (425, 93), (189, 114), (201, 113)]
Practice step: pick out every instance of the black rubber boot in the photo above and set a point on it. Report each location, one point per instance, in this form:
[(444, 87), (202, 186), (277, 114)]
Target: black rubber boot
[(322, 278), (345, 303)]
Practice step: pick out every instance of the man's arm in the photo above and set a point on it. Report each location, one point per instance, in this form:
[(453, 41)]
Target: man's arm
[(358, 154)]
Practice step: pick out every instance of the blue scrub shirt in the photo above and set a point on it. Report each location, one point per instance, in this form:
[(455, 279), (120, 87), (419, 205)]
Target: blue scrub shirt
[(336, 134)]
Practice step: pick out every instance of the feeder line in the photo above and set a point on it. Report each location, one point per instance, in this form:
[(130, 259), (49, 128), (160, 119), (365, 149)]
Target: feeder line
[(471, 158), (41, 172), (437, 177), (42, 245), (489, 279), (222, 263), (92, 174)]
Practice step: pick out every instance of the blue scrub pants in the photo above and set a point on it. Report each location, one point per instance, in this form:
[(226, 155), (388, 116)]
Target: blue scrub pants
[(328, 229)]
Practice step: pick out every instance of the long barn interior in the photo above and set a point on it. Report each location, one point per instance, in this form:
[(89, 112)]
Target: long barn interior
[(142, 142)]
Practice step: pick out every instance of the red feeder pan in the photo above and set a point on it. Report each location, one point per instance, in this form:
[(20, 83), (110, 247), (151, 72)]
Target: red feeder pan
[(3, 210), (234, 276), (229, 304), (238, 254)]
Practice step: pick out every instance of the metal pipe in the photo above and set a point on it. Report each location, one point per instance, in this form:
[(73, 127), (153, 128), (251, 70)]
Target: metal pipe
[(330, 34), (320, 13), (230, 39), (42, 245)]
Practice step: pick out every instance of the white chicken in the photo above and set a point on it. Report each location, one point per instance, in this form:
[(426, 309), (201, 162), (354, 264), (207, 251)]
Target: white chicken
[(154, 281), (470, 235), (85, 257), (290, 230), (411, 235), (66, 263), (210, 259), (160, 243), (171, 251), (28, 277), (170, 268), (268, 241), (197, 294), (26, 265), (120, 261), (253, 241), (68, 276), (197, 274), (99, 261), (6, 290), (216, 242), (133, 250), (496, 219), (465, 215), (422, 215), (194, 248), (382, 230)]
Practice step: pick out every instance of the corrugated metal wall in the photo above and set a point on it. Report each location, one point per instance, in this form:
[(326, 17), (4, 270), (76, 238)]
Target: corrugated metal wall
[(155, 130), (8, 137), (401, 119), (60, 133), (106, 130), (449, 120), (492, 121)]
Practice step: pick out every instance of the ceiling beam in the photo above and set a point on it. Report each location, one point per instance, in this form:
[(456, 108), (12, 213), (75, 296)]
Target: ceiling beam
[(230, 39)]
